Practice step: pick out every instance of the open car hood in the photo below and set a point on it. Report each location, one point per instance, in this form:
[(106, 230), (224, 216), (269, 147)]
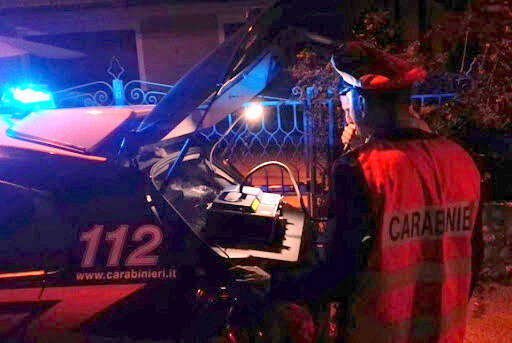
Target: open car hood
[(242, 67)]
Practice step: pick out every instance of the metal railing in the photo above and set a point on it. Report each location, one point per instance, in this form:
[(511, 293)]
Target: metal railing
[(279, 131), (300, 130), (102, 93)]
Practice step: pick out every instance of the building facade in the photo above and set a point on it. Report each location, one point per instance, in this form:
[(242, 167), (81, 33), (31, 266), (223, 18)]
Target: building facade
[(154, 40)]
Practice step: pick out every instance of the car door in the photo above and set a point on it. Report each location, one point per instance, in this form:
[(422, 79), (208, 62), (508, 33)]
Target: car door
[(21, 265), (113, 276)]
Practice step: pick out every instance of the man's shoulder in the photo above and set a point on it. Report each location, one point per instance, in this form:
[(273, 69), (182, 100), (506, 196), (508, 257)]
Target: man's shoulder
[(346, 162), (453, 144), (457, 155), (450, 147), (398, 149), (347, 169)]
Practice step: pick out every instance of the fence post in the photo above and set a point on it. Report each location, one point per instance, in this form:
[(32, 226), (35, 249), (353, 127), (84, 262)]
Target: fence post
[(118, 89), (332, 134), (310, 148), (115, 69)]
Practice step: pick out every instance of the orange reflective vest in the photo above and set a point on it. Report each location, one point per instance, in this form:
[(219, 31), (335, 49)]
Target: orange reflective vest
[(424, 195)]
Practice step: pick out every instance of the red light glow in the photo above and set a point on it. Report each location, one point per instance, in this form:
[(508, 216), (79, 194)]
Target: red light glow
[(21, 274)]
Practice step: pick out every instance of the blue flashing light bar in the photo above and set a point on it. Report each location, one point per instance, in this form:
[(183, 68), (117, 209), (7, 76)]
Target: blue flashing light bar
[(21, 100), (29, 96)]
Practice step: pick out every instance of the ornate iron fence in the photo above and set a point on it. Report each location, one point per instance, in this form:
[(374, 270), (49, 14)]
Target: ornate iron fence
[(279, 133), (300, 130), (102, 93), (85, 95)]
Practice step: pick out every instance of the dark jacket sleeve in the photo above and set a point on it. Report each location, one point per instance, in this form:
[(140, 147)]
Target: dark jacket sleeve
[(334, 275)]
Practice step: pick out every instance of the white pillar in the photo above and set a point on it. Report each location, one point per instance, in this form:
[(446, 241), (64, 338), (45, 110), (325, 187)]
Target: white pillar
[(139, 43)]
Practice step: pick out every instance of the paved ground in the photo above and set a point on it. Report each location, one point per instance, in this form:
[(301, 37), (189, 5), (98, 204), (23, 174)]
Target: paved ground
[(490, 316)]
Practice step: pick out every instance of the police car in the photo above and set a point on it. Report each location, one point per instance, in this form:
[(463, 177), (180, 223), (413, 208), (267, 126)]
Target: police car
[(104, 211)]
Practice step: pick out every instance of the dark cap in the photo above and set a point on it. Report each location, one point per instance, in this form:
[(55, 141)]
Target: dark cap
[(363, 66)]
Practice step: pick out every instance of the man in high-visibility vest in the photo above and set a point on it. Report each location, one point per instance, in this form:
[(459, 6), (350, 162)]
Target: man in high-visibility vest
[(423, 197), (403, 240)]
